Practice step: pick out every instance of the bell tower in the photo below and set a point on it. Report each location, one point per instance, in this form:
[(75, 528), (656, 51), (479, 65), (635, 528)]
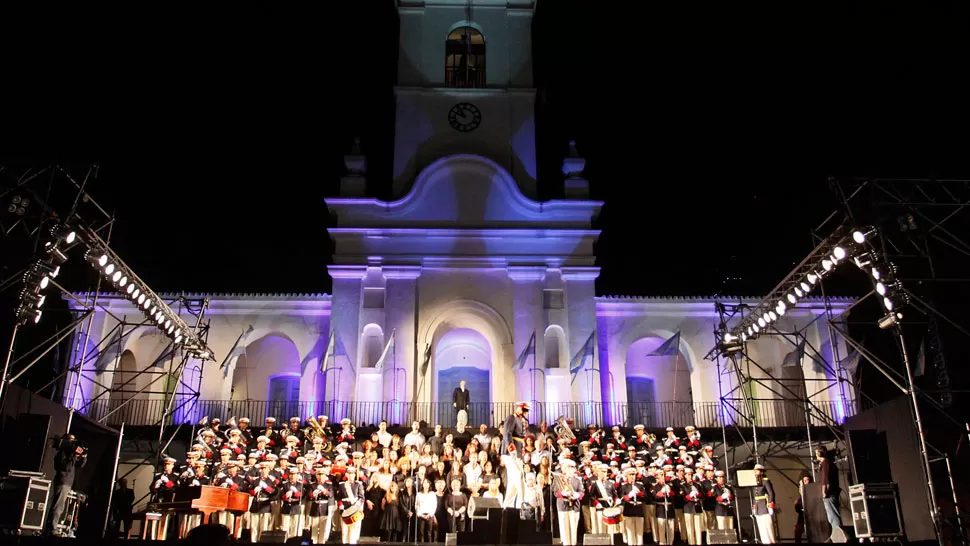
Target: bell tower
[(465, 87)]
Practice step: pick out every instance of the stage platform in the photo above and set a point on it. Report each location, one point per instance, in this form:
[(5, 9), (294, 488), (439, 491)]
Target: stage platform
[(51, 541)]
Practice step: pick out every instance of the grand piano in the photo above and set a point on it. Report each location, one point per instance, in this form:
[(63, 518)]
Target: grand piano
[(207, 499)]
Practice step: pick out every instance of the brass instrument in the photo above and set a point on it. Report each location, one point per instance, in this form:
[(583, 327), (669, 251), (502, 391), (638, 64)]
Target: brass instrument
[(316, 429), (562, 428), (231, 423), (562, 484), (651, 438)]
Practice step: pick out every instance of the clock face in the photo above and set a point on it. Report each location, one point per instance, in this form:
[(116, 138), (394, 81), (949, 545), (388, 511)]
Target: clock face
[(465, 117)]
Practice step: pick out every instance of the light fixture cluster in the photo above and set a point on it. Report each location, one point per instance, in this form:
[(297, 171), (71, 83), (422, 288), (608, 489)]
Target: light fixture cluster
[(854, 248), (115, 272), (39, 275)]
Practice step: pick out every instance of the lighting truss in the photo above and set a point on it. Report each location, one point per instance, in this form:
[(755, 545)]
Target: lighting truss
[(843, 246), (131, 287)]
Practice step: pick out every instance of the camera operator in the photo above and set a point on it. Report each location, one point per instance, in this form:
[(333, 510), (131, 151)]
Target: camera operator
[(70, 456)]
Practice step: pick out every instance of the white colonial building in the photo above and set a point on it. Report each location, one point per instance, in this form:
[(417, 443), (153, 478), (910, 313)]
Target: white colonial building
[(464, 276)]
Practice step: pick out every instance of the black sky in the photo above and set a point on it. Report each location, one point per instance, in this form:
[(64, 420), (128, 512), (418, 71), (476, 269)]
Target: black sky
[(710, 135)]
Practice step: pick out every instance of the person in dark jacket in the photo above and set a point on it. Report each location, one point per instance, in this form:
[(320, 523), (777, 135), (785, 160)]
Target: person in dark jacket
[(828, 477), (70, 456), (461, 398)]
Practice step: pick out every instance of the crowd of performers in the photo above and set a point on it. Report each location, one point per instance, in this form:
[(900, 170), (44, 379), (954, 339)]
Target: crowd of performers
[(322, 482)]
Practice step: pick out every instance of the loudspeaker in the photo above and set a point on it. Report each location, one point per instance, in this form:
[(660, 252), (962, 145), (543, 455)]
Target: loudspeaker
[(600, 539), (272, 537), (722, 536), (30, 431), (869, 456), (875, 510)]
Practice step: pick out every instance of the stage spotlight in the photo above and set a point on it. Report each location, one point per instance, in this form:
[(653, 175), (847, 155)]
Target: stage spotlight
[(792, 299), (799, 292), (146, 304), (761, 322), (890, 319), (805, 287), (861, 235), (876, 274), (56, 256), (26, 314), (863, 260), (838, 253), (35, 300), (178, 338), (812, 278), (109, 269), (756, 328), (122, 282), (141, 299), (117, 276), (827, 264), (64, 233), (883, 289), (781, 308), (888, 304), (96, 259), (772, 316)]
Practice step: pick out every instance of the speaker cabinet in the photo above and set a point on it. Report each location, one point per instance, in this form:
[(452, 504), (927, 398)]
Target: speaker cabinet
[(722, 536), (600, 539), (875, 510), (869, 456)]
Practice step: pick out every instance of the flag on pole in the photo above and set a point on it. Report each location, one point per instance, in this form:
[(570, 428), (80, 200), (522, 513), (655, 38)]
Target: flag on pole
[(579, 360), (387, 349), (530, 350), (920, 368), (671, 347), (851, 362), (794, 358), (335, 348), (328, 353)]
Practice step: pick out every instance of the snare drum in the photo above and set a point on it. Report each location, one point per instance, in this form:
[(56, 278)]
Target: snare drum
[(612, 515), (352, 515)]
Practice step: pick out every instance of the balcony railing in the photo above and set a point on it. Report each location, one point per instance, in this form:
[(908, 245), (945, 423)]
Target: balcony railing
[(657, 415)]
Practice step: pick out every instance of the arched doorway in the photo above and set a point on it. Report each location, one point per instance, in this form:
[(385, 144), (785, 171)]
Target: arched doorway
[(266, 380), (463, 354), (123, 387), (658, 388)]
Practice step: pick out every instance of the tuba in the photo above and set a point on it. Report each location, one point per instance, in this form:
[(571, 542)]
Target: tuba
[(562, 429)]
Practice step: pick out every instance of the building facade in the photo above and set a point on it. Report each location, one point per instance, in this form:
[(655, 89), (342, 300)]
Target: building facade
[(463, 276)]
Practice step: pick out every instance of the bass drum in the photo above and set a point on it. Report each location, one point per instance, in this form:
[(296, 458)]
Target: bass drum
[(352, 515), (462, 421), (612, 515)]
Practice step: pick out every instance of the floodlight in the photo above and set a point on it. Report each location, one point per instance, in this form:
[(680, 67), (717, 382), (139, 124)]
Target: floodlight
[(64, 233), (890, 319), (860, 236), (838, 253)]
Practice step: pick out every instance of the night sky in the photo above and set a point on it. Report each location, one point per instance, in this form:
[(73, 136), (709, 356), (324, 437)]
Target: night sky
[(710, 136)]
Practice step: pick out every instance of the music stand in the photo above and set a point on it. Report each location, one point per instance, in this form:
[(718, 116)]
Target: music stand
[(481, 506), (747, 480)]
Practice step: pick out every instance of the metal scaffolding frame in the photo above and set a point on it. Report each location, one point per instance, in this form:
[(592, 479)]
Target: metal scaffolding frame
[(96, 225), (915, 226)]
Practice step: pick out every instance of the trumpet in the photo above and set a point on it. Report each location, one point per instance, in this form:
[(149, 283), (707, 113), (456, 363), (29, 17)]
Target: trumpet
[(562, 428), (651, 438)]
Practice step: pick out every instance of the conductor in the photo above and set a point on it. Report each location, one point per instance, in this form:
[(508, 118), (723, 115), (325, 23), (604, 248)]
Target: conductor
[(70, 456), (461, 397)]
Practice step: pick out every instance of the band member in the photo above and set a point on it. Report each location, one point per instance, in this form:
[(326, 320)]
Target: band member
[(649, 501), (230, 479), (829, 480), (163, 490), (709, 504), (693, 510), (321, 505), (665, 491), (350, 494), (262, 487), (244, 432), (764, 505), (632, 494), (604, 496), (799, 508), (569, 496), (724, 510), (70, 456), (292, 498), (274, 440), (513, 442)]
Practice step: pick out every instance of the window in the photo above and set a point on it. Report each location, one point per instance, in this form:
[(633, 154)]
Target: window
[(465, 58), (552, 299), (551, 341), (373, 298), (641, 401), (285, 388)]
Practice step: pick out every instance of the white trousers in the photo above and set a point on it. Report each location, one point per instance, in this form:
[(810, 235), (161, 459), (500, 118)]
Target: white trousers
[(649, 517), (350, 534), (569, 527), (633, 531), (664, 531), (725, 523), (695, 528), (293, 525), (766, 531), (681, 524), (587, 520), (259, 523), (515, 489), (320, 527)]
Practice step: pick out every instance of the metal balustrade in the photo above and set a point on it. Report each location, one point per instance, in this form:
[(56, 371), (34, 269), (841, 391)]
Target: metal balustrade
[(655, 415)]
